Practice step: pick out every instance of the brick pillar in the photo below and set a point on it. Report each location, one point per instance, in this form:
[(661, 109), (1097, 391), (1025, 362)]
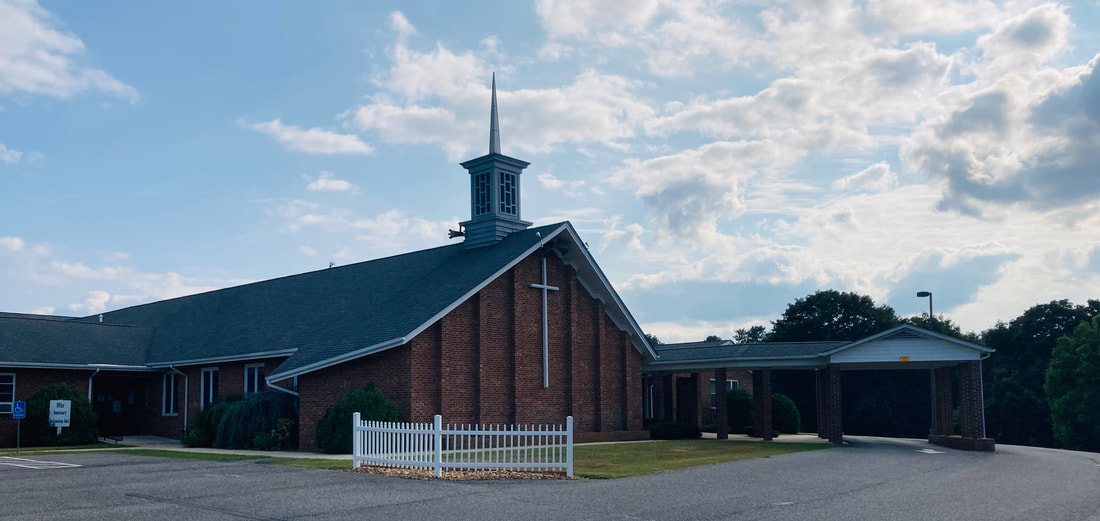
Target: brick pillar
[(945, 403), (833, 411), (696, 411), (970, 399), (721, 411), (666, 398), (762, 402), (819, 401)]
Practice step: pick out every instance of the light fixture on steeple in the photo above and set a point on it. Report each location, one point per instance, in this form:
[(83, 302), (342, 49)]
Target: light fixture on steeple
[(494, 190)]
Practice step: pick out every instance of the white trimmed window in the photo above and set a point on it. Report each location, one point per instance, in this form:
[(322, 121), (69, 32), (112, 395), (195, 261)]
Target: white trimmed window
[(730, 385), (169, 399), (254, 378), (209, 386), (7, 392)]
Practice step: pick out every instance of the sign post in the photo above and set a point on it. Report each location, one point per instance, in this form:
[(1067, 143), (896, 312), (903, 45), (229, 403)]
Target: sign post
[(18, 411), (60, 412)]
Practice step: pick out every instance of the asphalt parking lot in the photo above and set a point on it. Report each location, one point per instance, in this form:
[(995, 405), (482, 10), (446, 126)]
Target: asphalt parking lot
[(868, 479)]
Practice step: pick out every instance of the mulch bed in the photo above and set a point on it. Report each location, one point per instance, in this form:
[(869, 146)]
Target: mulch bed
[(459, 475)]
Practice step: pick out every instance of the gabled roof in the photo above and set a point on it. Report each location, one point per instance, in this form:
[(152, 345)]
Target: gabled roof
[(39, 341), (909, 330), (801, 355), (317, 319)]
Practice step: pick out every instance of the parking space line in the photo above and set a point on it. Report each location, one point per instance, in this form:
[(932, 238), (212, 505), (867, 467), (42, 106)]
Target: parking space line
[(25, 463)]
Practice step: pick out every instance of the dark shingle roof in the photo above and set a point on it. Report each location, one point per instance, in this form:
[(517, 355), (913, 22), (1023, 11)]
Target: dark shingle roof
[(323, 314), (719, 350), (42, 340)]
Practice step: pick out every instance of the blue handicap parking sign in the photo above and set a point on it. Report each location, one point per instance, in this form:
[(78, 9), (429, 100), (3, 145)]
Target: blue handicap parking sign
[(19, 410)]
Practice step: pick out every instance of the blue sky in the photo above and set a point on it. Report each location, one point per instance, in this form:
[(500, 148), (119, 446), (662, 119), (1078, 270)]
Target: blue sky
[(721, 159)]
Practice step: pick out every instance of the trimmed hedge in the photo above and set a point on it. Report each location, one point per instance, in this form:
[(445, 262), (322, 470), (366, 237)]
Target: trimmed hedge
[(674, 431), (785, 416), (83, 423), (739, 403), (334, 429)]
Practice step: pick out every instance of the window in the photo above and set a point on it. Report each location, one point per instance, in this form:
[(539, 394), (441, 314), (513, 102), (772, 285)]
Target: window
[(508, 193), (730, 385), (7, 392), (169, 397), (481, 193), (209, 386), (254, 378)]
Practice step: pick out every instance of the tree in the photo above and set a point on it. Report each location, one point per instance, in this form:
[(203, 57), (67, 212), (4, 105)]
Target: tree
[(653, 340), (1016, 407), (751, 335), (713, 338), (1073, 388), (941, 324), (829, 315)]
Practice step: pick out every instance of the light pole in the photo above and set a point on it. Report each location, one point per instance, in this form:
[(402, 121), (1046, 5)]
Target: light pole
[(931, 372), (922, 294)]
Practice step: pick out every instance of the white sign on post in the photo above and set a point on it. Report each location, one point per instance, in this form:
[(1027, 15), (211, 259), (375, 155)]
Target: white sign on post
[(60, 412)]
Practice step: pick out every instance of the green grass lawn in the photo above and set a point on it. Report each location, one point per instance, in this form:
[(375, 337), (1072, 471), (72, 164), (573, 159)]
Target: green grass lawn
[(310, 463), (179, 454), (619, 460)]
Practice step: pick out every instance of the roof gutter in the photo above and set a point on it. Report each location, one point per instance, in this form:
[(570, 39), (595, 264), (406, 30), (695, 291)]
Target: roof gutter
[(329, 362), (277, 388), (90, 383), (177, 371)]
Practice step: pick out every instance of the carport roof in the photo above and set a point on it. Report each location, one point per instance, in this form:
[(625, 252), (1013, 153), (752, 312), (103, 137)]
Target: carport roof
[(881, 349)]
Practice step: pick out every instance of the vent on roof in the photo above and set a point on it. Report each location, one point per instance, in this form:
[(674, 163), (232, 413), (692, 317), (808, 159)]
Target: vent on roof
[(101, 318), (906, 334)]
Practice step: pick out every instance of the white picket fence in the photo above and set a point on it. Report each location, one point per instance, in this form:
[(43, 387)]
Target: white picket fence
[(435, 447)]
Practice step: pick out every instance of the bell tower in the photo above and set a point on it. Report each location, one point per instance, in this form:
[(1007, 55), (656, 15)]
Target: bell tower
[(494, 190)]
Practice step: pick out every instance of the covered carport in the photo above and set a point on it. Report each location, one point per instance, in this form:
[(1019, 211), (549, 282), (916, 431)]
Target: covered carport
[(903, 347)]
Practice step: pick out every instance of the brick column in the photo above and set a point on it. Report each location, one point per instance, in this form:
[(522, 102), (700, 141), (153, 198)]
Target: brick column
[(666, 398), (762, 403), (945, 403), (833, 411), (970, 399), (721, 411), (819, 382), (696, 411)]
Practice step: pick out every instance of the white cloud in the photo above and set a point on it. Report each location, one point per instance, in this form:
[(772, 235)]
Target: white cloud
[(38, 58), (9, 156), (875, 178), (326, 183), (549, 181), (312, 141), (11, 244), (44, 310), (401, 25), (95, 302), (306, 250)]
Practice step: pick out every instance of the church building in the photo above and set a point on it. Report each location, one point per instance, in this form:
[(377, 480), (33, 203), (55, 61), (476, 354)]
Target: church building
[(514, 324)]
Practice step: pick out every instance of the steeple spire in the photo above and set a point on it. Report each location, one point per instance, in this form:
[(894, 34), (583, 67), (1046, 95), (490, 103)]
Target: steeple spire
[(494, 125)]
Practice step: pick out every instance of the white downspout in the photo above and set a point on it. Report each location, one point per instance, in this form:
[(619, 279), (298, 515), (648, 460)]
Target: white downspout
[(277, 388), (90, 383), (177, 371)]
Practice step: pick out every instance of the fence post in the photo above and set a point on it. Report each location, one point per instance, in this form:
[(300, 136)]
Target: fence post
[(356, 442), (569, 446), (437, 456)]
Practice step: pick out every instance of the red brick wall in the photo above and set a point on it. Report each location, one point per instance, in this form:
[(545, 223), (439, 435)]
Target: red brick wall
[(390, 371), (29, 381), (482, 363)]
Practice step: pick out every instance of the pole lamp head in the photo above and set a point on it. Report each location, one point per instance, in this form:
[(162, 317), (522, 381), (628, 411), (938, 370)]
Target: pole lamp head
[(923, 294)]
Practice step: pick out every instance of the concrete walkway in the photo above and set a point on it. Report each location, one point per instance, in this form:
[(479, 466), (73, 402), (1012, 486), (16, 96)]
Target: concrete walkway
[(802, 437)]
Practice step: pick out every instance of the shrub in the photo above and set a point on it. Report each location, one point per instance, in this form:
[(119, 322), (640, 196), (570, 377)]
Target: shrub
[(203, 429), (739, 403), (674, 431), (83, 423), (749, 430), (334, 429), (258, 413), (710, 427), (785, 416)]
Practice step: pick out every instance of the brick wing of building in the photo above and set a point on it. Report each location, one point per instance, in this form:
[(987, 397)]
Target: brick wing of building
[(512, 325)]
